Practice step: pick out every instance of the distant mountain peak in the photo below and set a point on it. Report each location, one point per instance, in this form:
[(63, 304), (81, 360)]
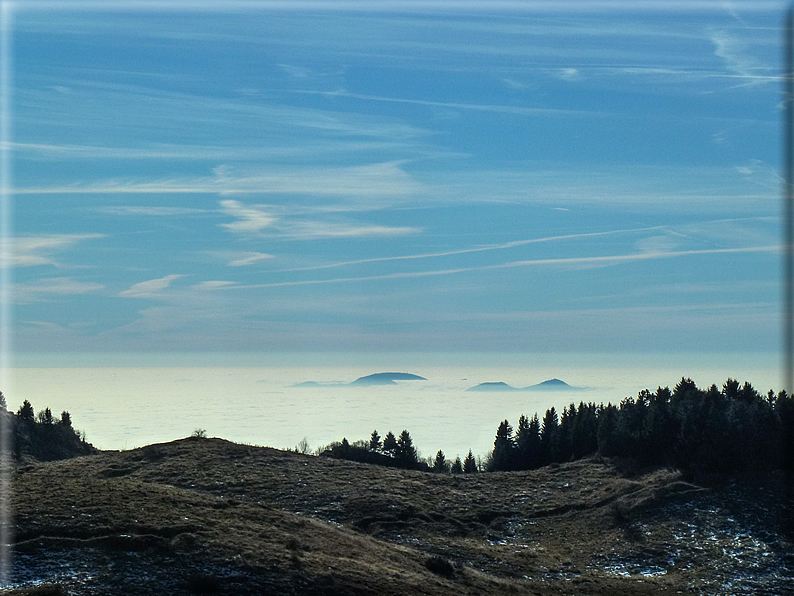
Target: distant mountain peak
[(553, 385), (555, 382), (386, 378), (493, 386)]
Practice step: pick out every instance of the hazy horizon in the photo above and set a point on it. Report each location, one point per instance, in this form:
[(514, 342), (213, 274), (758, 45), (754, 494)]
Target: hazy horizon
[(121, 403)]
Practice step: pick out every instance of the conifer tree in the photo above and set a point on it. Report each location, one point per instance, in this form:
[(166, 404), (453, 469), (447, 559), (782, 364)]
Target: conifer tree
[(658, 431), (503, 448), (26, 413), (374, 441), (522, 440), (565, 434), (584, 439), (457, 466), (607, 430), (469, 464), (390, 444), (440, 464), (730, 389), (748, 394), (406, 453), (529, 446), (686, 389), (548, 436)]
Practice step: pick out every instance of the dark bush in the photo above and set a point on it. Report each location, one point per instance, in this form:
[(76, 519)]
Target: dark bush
[(440, 566)]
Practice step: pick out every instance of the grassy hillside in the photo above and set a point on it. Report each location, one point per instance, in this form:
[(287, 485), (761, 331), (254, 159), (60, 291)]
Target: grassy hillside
[(208, 516)]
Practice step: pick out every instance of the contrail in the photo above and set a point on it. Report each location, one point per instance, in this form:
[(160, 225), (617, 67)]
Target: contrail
[(595, 261), (464, 251)]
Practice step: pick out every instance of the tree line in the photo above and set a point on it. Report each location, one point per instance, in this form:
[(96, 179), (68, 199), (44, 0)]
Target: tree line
[(706, 433), (397, 452), (42, 435)]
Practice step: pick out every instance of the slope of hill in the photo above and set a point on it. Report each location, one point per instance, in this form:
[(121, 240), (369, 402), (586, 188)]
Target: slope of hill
[(208, 516)]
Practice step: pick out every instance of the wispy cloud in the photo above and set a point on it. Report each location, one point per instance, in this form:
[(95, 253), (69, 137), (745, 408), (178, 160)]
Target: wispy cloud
[(374, 182), (250, 218), (387, 179), (502, 109), (248, 258), (643, 256), (159, 151), (761, 174), (236, 258), (239, 121), (739, 61), (149, 211), (567, 74), (30, 251), (185, 185), (254, 219), (214, 285), (147, 289), (320, 229), (48, 287), (599, 261)]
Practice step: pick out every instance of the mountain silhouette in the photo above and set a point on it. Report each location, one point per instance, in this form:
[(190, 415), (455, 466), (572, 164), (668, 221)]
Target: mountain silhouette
[(497, 386), (553, 385), (385, 378)]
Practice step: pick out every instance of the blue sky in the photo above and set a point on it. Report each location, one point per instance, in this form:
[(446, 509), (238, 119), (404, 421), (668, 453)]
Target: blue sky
[(448, 180)]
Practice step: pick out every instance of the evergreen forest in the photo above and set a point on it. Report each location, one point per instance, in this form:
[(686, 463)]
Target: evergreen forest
[(708, 434), (42, 436)]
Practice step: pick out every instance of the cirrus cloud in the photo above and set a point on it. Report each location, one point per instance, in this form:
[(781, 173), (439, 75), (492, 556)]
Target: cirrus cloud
[(146, 289), (250, 218)]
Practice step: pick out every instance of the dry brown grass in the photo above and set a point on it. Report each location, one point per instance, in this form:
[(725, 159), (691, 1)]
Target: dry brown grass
[(209, 516)]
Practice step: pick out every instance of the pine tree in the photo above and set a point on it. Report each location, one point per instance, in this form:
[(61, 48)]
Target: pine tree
[(529, 446), (503, 448), (730, 389), (685, 388), (26, 413), (548, 436), (565, 434), (406, 453), (440, 464), (390, 444), (607, 430), (469, 464), (522, 442), (457, 466), (374, 441), (584, 434)]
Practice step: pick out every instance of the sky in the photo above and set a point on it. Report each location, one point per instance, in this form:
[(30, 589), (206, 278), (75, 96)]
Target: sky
[(457, 178)]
